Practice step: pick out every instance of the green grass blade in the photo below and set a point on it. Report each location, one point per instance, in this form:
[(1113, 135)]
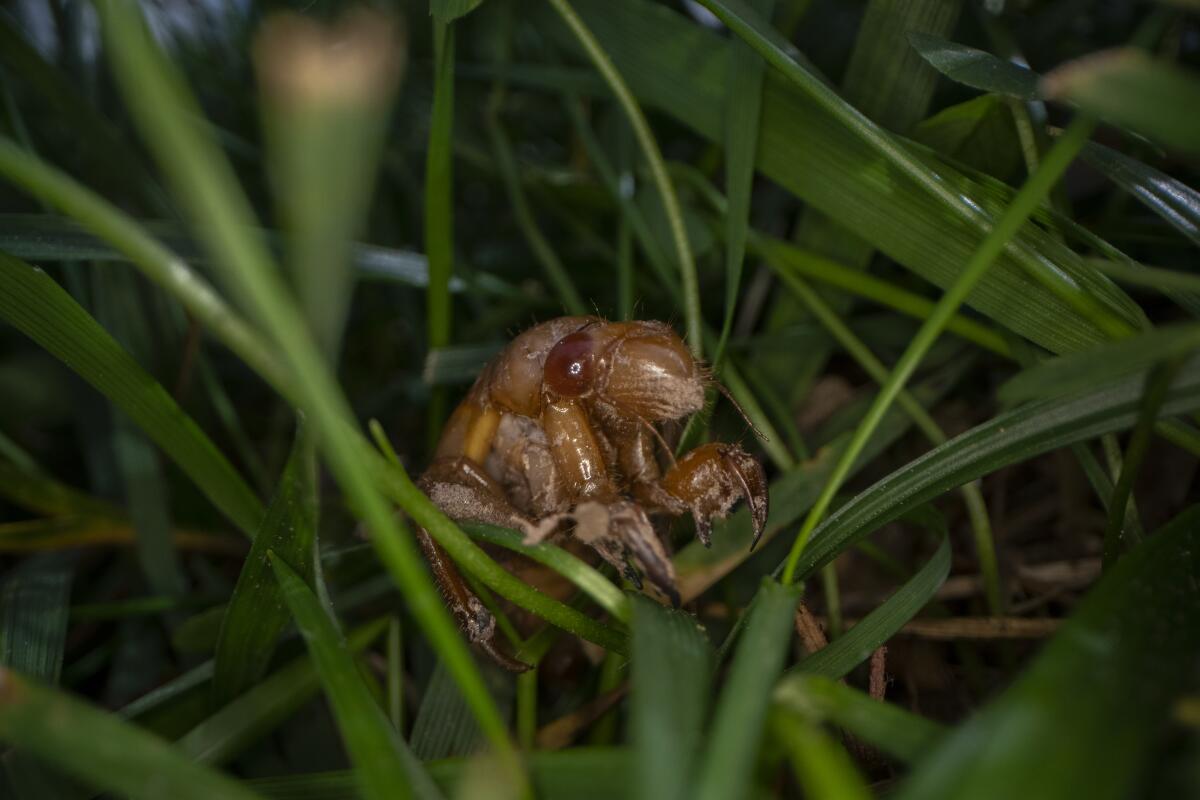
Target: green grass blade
[(556, 272), (670, 672), (1129, 88), (100, 749), (439, 203), (34, 604), (382, 762), (588, 579), (37, 306), (443, 725), (1031, 194), (683, 250), (899, 733), (855, 646), (822, 766), (256, 615), (976, 68), (1080, 720), (1057, 377), (203, 178), (221, 737), (743, 109), (1176, 203), (1006, 439), (727, 766)]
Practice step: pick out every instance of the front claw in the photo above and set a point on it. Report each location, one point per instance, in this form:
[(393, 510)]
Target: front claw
[(709, 480)]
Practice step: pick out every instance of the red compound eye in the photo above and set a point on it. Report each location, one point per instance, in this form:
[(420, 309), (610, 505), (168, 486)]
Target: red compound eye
[(568, 370)]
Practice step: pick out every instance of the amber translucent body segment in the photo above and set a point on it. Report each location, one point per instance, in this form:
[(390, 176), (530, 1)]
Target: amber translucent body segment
[(514, 380), (578, 458), (711, 478), (651, 375)]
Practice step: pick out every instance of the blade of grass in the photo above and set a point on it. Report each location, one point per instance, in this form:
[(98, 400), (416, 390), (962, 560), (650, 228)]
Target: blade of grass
[(899, 733), (556, 273), (743, 108), (727, 766), (102, 750), (384, 766), (1031, 194), (37, 306), (1098, 694), (650, 150), (822, 766), (978, 69), (1117, 535), (439, 207), (256, 615), (1011, 437), (670, 671), (161, 104), (221, 737), (855, 646), (985, 547), (34, 607)]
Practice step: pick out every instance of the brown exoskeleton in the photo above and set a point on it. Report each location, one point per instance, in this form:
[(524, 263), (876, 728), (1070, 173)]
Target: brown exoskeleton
[(561, 426)]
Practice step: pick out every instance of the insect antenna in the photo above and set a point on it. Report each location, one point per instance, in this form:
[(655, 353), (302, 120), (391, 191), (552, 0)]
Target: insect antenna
[(729, 396)]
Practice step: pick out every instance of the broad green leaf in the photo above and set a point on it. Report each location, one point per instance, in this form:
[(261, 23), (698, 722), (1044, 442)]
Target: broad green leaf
[(102, 750), (256, 615), (976, 68), (1096, 366), (383, 764), (263, 708), (899, 733), (1129, 88), (846, 652), (1009, 438), (809, 152), (727, 768), (1081, 721), (670, 672), (37, 306)]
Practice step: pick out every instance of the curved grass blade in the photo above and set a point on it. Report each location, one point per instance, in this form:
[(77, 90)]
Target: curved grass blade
[(727, 766), (256, 614), (1082, 719), (855, 646), (588, 579), (899, 733), (822, 766), (247, 719), (382, 762), (1129, 88), (1015, 436), (102, 750), (1177, 203), (439, 204), (1078, 372), (670, 671), (976, 68), (37, 306)]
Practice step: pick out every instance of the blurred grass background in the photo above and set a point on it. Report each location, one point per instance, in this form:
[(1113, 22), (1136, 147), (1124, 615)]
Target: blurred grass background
[(941, 252)]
